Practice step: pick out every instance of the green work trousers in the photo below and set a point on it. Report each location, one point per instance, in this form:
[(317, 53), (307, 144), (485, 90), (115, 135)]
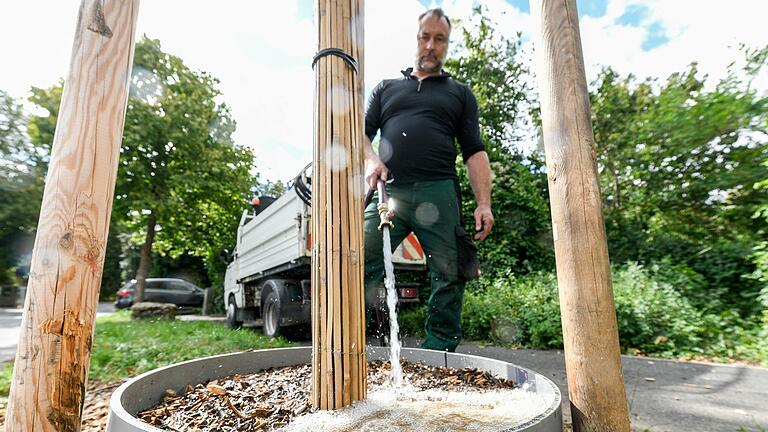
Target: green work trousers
[(430, 210)]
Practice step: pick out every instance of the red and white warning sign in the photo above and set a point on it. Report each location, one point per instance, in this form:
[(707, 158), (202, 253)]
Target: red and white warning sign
[(411, 248)]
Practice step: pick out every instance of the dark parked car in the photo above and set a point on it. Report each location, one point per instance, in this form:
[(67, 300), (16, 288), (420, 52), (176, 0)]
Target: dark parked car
[(162, 290)]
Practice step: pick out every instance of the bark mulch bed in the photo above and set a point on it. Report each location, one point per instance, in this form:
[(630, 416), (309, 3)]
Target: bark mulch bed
[(270, 399), (96, 406)]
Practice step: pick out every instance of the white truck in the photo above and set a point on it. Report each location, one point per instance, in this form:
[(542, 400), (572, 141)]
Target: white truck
[(269, 276)]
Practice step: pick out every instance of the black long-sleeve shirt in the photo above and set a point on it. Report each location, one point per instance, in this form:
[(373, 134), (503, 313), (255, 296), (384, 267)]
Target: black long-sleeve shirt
[(419, 121)]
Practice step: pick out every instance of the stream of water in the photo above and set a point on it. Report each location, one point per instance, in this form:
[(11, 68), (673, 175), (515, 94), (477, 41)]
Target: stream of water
[(394, 328)]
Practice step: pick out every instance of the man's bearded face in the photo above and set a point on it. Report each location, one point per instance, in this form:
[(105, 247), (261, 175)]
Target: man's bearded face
[(432, 48)]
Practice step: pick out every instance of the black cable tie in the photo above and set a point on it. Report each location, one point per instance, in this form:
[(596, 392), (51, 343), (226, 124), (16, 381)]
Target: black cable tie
[(337, 52)]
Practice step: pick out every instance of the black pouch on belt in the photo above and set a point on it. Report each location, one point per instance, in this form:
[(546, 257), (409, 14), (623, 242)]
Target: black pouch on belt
[(469, 265), (466, 251)]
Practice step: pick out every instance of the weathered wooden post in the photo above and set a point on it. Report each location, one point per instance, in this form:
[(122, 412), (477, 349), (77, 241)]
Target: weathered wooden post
[(339, 365), (592, 355), (54, 348)]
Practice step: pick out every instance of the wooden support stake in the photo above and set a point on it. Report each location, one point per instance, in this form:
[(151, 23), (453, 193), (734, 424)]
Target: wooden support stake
[(343, 170), (335, 205), (357, 50), (319, 357), (54, 351), (338, 356), (590, 335), (315, 280)]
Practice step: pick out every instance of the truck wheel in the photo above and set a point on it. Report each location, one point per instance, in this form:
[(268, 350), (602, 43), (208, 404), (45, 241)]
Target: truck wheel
[(271, 315), (232, 310)]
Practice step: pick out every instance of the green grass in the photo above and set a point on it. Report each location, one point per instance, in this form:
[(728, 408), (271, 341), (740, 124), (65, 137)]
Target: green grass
[(124, 348), (758, 428), (6, 372)]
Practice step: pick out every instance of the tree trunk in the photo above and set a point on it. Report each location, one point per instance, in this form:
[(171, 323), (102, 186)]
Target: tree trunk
[(51, 368), (145, 260)]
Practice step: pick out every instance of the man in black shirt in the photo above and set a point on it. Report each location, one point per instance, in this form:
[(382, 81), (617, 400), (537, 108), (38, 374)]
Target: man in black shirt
[(420, 117)]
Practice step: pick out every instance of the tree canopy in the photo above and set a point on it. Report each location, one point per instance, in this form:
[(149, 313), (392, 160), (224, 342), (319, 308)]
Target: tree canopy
[(491, 66), (20, 185), (677, 162), (180, 174)]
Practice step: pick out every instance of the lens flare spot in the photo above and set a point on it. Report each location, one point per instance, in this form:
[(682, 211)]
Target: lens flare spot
[(385, 150), (427, 213), (336, 157), (339, 99)]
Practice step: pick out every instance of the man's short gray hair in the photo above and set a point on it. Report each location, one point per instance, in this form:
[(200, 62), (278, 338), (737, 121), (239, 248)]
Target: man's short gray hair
[(439, 13)]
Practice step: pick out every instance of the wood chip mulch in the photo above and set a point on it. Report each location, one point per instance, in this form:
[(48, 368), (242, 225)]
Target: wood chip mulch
[(96, 406), (266, 400), (270, 399)]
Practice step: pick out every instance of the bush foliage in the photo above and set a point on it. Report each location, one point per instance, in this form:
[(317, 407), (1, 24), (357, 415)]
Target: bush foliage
[(654, 315)]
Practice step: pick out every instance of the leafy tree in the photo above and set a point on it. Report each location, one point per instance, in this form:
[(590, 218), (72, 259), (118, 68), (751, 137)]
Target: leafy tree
[(760, 255), (677, 162), (42, 128), (756, 61), (182, 182), (12, 133), (26, 147), (268, 188), (489, 63), (20, 186)]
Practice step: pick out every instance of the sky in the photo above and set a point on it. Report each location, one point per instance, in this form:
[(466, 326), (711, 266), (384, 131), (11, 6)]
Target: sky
[(261, 51)]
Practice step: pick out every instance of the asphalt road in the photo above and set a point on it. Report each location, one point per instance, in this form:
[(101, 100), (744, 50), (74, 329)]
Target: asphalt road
[(667, 396), (10, 322)]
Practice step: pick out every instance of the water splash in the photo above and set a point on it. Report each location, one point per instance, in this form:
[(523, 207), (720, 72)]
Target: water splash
[(410, 409), (394, 328)]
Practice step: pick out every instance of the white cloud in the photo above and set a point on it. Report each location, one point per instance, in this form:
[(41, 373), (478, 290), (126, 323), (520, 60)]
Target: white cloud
[(702, 31), (261, 51), (36, 43), (390, 35)]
